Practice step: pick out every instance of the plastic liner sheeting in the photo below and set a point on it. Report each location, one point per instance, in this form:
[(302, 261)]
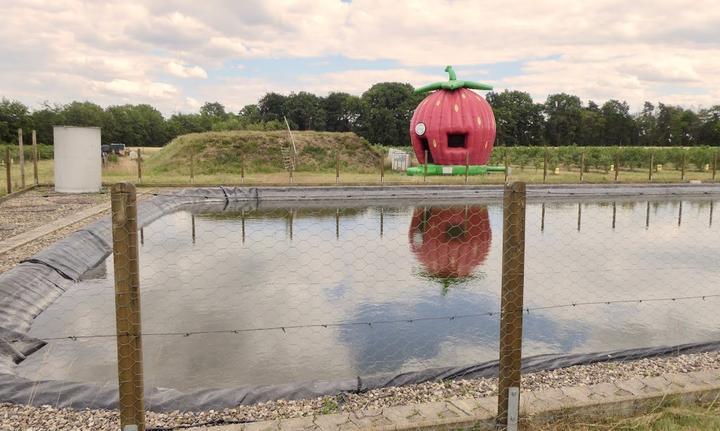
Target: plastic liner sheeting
[(30, 287), (19, 390)]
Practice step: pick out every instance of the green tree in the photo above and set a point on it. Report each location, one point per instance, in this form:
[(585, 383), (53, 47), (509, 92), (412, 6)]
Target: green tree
[(646, 125), (342, 111), (272, 106), (562, 113), (592, 126), (83, 114), (709, 132), (250, 114), (304, 110), (13, 116), (386, 111), (619, 124), (518, 119)]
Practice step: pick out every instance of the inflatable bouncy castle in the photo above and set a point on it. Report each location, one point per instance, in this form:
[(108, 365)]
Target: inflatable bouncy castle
[(455, 127)]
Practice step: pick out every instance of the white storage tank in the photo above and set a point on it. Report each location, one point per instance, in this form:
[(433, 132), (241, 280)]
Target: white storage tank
[(78, 161)]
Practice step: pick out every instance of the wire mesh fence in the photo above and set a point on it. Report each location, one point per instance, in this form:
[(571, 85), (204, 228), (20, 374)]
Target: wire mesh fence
[(264, 294)]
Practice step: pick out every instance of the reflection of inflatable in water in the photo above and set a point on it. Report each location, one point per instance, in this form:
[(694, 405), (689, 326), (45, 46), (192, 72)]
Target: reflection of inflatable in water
[(450, 242)]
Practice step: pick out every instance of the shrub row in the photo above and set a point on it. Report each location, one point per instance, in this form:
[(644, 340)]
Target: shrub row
[(602, 157)]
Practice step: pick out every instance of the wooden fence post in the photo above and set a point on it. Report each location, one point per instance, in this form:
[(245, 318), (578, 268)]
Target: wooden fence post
[(467, 166), (682, 168), (139, 165), (36, 178), (21, 158), (8, 171), (714, 166), (511, 305), (507, 165), (652, 162), (127, 306), (192, 166), (545, 164), (242, 168), (582, 167), (382, 169), (337, 167), (617, 165), (425, 169)]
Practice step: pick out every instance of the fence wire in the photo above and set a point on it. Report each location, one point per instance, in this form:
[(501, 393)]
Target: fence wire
[(248, 296)]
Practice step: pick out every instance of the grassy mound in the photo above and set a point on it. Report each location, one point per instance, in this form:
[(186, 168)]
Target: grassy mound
[(223, 152)]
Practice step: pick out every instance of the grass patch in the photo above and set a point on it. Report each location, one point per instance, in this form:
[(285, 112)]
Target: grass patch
[(666, 417)]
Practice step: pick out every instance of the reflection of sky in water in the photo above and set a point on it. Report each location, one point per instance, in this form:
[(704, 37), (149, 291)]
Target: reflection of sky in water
[(429, 262)]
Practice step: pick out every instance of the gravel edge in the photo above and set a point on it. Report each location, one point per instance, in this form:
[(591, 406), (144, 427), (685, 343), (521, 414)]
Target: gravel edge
[(22, 417)]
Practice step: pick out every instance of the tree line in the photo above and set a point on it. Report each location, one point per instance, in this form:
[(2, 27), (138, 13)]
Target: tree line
[(382, 115)]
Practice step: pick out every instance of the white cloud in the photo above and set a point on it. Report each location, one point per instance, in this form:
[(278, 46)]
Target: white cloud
[(112, 51), (183, 71), (145, 89)]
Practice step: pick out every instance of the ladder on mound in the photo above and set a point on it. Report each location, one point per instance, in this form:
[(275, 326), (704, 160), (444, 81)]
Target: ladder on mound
[(289, 154), (287, 157)]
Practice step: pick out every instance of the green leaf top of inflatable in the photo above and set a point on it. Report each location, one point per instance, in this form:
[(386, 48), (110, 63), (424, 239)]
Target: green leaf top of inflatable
[(453, 84)]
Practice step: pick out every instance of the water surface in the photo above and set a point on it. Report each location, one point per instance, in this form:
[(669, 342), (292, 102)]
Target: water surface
[(241, 297)]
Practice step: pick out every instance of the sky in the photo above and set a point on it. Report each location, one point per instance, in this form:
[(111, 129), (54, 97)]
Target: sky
[(177, 54)]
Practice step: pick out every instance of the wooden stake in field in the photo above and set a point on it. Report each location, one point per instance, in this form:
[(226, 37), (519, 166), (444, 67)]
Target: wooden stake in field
[(21, 158), (545, 165), (467, 166), (139, 165), (617, 166), (650, 170), (425, 169), (192, 166), (337, 167), (242, 168), (127, 306), (682, 168), (36, 178), (582, 166), (511, 305), (8, 171), (382, 169), (714, 171), (507, 165)]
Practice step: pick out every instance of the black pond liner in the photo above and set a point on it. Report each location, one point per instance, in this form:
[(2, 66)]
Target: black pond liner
[(31, 286)]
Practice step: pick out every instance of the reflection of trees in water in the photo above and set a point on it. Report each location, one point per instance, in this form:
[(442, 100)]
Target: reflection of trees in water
[(450, 242)]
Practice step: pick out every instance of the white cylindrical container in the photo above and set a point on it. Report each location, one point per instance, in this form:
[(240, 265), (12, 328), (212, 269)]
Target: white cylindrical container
[(78, 160)]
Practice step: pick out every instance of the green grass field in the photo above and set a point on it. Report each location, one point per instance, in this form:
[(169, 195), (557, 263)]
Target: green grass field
[(126, 170)]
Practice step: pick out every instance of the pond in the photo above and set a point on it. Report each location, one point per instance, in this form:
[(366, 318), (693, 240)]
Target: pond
[(296, 294)]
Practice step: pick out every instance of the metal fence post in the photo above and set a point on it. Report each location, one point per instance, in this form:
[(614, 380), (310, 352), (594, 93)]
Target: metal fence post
[(21, 158), (714, 171), (8, 171), (36, 178), (127, 306), (582, 167), (545, 163), (511, 305)]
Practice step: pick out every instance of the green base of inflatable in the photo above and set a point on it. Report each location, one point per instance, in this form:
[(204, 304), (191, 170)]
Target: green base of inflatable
[(453, 170)]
